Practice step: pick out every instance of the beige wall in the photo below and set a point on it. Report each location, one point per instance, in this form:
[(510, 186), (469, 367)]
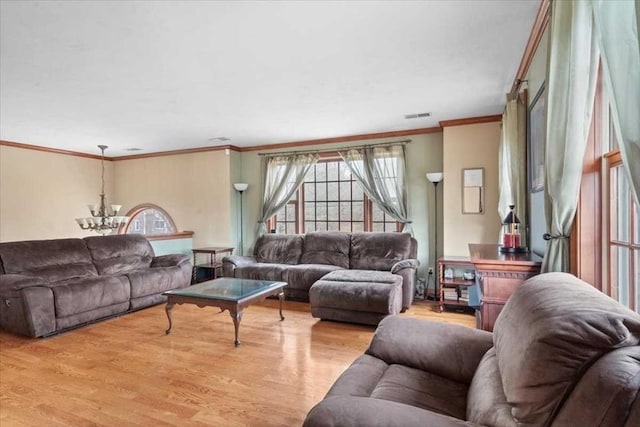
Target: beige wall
[(470, 146), (424, 154), (193, 188), (41, 193)]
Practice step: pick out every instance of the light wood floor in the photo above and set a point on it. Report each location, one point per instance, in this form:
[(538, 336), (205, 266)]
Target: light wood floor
[(126, 371)]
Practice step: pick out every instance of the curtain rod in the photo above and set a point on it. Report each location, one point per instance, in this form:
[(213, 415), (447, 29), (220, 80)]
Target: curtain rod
[(325, 150)]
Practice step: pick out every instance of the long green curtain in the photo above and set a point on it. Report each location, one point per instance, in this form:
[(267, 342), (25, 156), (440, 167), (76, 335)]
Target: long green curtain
[(571, 80), (282, 177), (617, 27), (382, 174), (512, 162)]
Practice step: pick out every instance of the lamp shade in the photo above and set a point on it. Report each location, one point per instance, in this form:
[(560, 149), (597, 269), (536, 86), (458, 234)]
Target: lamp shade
[(435, 176), (240, 186)]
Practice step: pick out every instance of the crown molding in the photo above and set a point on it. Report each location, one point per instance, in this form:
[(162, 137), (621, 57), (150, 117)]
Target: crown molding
[(471, 120), (176, 152), (349, 138), (51, 150)]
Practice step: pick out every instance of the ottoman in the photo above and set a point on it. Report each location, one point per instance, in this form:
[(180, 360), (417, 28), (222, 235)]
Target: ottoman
[(356, 296)]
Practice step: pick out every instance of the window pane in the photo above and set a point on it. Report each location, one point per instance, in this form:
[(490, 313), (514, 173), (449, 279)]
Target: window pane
[(377, 226), (321, 212), (309, 211), (345, 172), (321, 171), (358, 226), (290, 212), (309, 192), (321, 192), (358, 211), (358, 194), (345, 211), (636, 224), (620, 205), (332, 171), (281, 228), (291, 228), (332, 211), (150, 221), (309, 226), (620, 280), (321, 226), (345, 226), (332, 191), (345, 190), (333, 226)]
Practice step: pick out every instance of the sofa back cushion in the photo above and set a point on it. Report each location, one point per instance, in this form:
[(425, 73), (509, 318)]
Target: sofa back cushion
[(379, 251), (52, 260), (278, 248), (120, 253), (552, 329), (327, 247)]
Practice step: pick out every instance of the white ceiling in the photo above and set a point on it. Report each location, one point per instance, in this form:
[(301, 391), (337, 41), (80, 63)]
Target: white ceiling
[(168, 75)]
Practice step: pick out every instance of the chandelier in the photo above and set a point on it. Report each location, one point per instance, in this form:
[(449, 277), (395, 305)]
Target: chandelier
[(103, 219)]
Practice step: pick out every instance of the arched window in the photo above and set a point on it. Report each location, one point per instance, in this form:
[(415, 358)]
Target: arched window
[(150, 220)]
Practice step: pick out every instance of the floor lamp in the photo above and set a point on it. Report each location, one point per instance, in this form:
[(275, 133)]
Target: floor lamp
[(435, 178), (240, 188)]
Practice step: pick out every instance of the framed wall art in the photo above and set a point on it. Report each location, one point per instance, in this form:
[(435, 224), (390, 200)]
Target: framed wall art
[(536, 141)]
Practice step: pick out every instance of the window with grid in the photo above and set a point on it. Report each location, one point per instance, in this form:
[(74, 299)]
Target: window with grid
[(330, 199), (606, 236)]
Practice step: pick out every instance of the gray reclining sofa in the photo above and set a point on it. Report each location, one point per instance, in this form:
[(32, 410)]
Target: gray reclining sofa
[(359, 277), (50, 285)]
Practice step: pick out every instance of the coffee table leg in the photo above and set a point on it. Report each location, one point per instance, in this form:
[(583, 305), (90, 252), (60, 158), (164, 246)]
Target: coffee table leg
[(168, 309), (236, 316), (281, 298)]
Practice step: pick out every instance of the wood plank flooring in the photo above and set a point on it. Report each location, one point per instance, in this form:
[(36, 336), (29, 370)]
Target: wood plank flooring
[(126, 372)]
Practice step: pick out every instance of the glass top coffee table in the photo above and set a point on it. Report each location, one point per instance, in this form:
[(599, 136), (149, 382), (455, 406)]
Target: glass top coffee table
[(226, 293)]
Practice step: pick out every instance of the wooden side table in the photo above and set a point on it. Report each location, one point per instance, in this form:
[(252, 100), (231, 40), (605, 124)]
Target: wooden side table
[(212, 267), (500, 274)]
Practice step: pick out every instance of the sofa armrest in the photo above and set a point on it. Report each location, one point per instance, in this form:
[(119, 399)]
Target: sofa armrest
[(405, 263), (345, 411), (15, 282), (231, 262), (172, 260), (449, 350)]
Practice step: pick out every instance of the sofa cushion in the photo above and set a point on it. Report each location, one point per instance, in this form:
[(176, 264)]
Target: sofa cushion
[(324, 247), (369, 376), (379, 251), (120, 253), (545, 341), (149, 281), (261, 271), (362, 276), (486, 403), (52, 260), (370, 297), (278, 248), (302, 276), (88, 293)]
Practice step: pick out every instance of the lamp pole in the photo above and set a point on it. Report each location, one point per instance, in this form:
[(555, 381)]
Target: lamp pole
[(240, 188), (435, 178)]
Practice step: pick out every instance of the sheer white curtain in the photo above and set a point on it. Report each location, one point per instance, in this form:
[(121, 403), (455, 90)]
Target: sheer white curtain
[(512, 162), (382, 174), (283, 175), (617, 25), (571, 80)]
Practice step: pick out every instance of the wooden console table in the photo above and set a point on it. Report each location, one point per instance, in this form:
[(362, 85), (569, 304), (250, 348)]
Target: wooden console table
[(500, 274)]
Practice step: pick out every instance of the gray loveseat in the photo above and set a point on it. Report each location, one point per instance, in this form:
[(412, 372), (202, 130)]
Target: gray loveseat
[(561, 354), (50, 285), (301, 260)]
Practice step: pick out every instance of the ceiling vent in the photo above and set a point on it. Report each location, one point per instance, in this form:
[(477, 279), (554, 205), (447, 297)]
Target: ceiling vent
[(218, 139), (133, 149), (417, 115)]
